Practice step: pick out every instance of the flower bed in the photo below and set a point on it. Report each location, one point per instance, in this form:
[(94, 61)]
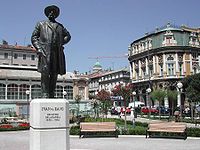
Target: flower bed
[(6, 126), (10, 127)]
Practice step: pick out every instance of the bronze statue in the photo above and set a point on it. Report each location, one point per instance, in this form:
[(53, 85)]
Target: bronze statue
[(48, 39)]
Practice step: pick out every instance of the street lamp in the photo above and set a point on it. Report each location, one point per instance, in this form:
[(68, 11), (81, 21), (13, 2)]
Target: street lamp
[(179, 85), (148, 97), (65, 94), (134, 94), (134, 113), (96, 111), (28, 97)]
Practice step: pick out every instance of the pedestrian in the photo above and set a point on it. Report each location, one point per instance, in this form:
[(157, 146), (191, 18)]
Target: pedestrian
[(176, 114)]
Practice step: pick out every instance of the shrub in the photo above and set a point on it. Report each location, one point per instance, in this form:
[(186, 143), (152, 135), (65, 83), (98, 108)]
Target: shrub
[(74, 130), (194, 132)]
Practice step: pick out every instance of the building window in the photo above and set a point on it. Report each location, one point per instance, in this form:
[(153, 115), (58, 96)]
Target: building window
[(151, 72), (2, 91), (59, 91), (170, 69), (69, 90), (170, 65), (12, 92), (24, 56), (22, 91), (137, 75), (181, 69), (5, 55), (32, 57), (15, 56), (35, 91), (81, 92), (161, 69), (143, 72)]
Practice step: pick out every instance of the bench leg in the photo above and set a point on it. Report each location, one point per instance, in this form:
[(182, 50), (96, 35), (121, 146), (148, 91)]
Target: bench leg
[(116, 134), (79, 135), (146, 133), (185, 135)]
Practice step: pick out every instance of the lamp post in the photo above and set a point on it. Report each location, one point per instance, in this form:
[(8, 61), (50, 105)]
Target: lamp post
[(96, 111), (180, 85), (134, 113), (28, 97), (134, 94), (149, 103), (65, 94)]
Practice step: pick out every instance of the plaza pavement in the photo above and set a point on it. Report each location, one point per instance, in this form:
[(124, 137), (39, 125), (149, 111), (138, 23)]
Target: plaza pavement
[(139, 119), (19, 140)]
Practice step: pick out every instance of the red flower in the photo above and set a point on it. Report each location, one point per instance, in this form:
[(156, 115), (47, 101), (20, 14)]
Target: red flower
[(6, 126), (24, 124)]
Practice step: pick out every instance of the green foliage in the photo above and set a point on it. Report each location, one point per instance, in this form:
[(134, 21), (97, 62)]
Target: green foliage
[(192, 88), (158, 95), (138, 130), (193, 132), (172, 94), (14, 129), (74, 130)]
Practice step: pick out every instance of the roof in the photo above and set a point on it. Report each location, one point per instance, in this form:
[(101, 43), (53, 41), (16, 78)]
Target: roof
[(29, 74), (166, 27), (17, 47), (97, 65)]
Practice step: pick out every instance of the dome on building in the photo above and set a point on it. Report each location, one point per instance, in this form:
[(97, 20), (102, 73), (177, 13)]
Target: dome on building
[(97, 67)]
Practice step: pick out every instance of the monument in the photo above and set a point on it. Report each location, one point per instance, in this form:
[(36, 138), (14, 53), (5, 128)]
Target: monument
[(49, 117)]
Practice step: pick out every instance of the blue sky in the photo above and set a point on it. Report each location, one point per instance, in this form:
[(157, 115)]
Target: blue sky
[(98, 27)]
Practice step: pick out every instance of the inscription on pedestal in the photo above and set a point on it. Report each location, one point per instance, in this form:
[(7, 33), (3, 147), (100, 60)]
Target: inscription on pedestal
[(53, 113)]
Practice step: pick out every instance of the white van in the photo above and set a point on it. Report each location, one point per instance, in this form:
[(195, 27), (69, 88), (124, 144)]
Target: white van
[(137, 104)]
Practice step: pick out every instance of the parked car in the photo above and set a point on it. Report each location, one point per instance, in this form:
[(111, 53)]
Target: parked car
[(128, 110), (163, 110), (137, 104), (146, 110)]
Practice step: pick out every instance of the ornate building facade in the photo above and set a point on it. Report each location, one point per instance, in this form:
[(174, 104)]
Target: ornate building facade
[(163, 57)]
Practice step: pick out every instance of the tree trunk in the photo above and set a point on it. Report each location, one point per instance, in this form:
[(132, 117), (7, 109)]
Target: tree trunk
[(159, 110), (125, 123), (192, 111)]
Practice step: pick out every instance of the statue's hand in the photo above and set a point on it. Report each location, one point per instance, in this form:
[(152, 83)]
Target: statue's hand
[(40, 52)]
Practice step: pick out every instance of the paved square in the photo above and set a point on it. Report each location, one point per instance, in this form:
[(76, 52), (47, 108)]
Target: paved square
[(20, 141)]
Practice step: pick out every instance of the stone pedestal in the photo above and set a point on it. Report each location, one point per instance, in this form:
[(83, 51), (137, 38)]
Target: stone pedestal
[(49, 121)]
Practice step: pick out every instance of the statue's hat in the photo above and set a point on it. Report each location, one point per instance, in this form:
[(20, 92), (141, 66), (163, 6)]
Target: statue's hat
[(53, 8)]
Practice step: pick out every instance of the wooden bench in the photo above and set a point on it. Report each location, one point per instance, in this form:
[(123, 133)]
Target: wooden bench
[(96, 128), (167, 129)]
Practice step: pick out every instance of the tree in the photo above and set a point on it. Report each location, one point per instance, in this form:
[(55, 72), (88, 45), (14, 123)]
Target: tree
[(125, 92), (172, 96), (77, 99), (159, 95), (104, 97), (192, 90)]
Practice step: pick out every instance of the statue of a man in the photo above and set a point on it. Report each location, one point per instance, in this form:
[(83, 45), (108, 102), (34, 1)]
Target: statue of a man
[(48, 39)]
